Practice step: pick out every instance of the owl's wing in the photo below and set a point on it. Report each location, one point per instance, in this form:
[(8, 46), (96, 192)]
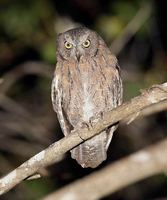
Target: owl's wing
[(56, 96), (117, 90)]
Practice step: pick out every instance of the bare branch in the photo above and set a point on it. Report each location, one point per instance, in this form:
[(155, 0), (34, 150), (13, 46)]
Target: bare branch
[(50, 155), (152, 160)]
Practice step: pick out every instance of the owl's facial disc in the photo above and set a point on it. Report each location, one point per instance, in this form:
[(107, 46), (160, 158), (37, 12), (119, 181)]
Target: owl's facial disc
[(77, 44)]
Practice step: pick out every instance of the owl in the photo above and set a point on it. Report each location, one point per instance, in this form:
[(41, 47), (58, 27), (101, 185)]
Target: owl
[(86, 83)]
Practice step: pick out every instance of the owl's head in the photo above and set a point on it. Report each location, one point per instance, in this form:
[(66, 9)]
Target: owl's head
[(76, 43)]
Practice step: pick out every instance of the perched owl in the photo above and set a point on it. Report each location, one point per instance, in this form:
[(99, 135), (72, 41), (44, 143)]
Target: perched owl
[(86, 82)]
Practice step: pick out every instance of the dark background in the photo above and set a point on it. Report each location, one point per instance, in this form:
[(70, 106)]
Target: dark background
[(28, 124)]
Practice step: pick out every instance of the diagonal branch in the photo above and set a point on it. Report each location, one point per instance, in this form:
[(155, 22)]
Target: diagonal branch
[(152, 160), (50, 155)]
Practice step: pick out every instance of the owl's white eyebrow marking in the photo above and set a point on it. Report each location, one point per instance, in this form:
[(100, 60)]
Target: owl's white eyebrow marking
[(69, 39)]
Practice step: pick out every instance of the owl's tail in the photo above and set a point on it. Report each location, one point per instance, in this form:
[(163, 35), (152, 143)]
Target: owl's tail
[(92, 152)]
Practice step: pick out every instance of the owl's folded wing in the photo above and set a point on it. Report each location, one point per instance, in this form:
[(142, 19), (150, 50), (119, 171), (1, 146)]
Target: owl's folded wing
[(56, 96), (118, 85)]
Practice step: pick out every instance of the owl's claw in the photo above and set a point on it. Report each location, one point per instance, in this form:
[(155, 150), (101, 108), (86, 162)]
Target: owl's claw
[(78, 134), (94, 120), (101, 115), (84, 124)]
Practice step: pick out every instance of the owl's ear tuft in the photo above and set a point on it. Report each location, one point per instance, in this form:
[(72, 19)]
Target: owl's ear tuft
[(59, 34), (58, 38)]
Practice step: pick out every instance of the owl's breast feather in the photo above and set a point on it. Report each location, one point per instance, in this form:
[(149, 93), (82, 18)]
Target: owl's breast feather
[(87, 103), (86, 90)]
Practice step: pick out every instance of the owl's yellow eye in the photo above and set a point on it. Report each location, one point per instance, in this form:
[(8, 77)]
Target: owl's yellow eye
[(68, 45), (86, 43)]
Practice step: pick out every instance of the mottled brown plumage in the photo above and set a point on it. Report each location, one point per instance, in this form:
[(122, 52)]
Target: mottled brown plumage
[(86, 82)]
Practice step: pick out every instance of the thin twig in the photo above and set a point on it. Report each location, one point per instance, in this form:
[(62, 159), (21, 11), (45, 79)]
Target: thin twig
[(152, 109), (52, 153), (155, 108)]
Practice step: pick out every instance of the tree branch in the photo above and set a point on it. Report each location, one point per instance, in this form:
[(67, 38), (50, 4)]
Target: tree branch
[(152, 160), (155, 108), (50, 155)]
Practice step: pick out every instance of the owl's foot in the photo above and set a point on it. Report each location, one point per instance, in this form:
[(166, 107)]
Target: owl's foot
[(83, 124), (93, 120), (78, 133)]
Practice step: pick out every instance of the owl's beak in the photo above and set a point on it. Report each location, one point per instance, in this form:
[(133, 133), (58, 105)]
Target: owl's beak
[(78, 55)]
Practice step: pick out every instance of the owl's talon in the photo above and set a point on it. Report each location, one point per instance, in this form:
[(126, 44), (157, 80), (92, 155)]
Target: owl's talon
[(94, 120), (91, 122), (101, 115), (81, 137), (83, 125), (78, 134), (87, 125)]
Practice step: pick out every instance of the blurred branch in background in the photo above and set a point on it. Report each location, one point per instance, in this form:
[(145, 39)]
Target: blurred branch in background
[(130, 30), (18, 122), (120, 174), (16, 113), (25, 132), (38, 68), (53, 153)]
